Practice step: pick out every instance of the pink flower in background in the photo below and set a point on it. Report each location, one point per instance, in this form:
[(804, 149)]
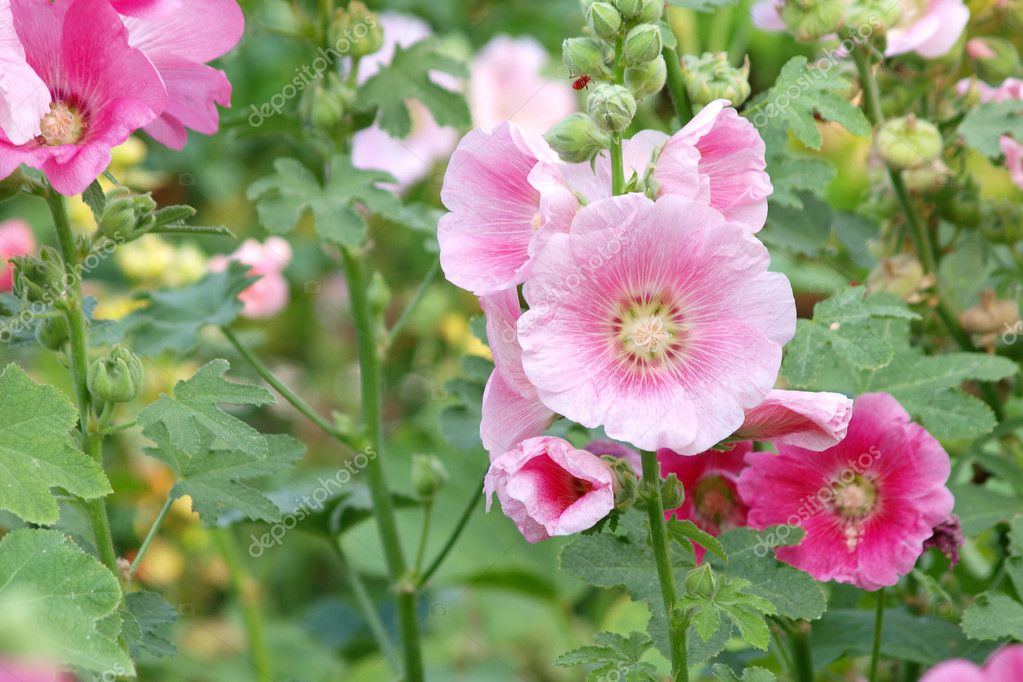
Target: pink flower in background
[(16, 239), (1008, 90), (507, 84), (24, 97), (180, 37), (1013, 151), (814, 421), (658, 321), (102, 89), (269, 294), (1005, 665), (867, 505), (549, 488), (29, 671), (931, 29), (512, 412), (495, 226), (767, 15)]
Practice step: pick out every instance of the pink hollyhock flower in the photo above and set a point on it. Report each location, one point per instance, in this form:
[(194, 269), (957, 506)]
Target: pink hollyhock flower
[(767, 15), (102, 89), (610, 447), (507, 84), (710, 480), (814, 421), (512, 412), (16, 239), (410, 159), (930, 29), (497, 221), (1005, 665), (180, 37), (31, 671), (867, 504), (549, 488), (24, 98), (1008, 90), (1013, 151), (656, 320), (269, 294)]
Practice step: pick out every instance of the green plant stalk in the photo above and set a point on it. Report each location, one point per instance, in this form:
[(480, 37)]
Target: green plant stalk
[(92, 443), (153, 530), (802, 655), (246, 591), (369, 364), (463, 520), (424, 535), (875, 653), (665, 574), (362, 596), (677, 85), (617, 162)]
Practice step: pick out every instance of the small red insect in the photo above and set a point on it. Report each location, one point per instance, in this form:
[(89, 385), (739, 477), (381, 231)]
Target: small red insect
[(581, 82)]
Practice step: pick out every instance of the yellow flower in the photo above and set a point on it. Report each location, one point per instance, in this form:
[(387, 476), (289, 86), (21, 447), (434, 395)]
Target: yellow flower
[(455, 330)]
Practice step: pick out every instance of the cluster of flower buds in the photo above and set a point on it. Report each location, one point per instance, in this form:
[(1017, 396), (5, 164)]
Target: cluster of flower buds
[(711, 77), (40, 279), (116, 377), (620, 63), (127, 215)]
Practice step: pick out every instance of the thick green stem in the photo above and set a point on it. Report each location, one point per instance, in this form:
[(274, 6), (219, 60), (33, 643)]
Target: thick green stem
[(802, 655), (369, 364), (463, 520), (153, 530), (875, 654), (246, 591), (369, 609), (665, 574), (677, 86), (617, 166)]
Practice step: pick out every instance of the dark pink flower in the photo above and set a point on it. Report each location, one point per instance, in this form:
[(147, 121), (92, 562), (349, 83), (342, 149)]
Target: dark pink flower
[(1005, 665), (710, 480)]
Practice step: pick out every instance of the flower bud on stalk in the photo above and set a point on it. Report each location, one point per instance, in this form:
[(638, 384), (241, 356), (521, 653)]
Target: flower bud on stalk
[(991, 315), (711, 76), (428, 476), (52, 333), (358, 29), (993, 59), (629, 9), (642, 44), (116, 377), (625, 484), (909, 142), (813, 19), (875, 16), (648, 79), (577, 139), (585, 57), (612, 107), (650, 11), (702, 582), (901, 275), (672, 492), (39, 278), (605, 21)]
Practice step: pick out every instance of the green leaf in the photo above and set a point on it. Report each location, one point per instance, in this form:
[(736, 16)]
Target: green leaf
[(793, 172), (96, 199), (986, 123), (732, 600), (684, 531), (980, 508), (723, 673), (72, 598), (613, 656), (803, 90), (147, 620), (805, 229), (284, 197), (36, 453), (408, 76), (994, 616)]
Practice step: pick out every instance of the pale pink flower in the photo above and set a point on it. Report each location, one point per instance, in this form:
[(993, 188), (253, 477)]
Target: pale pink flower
[(409, 159), (767, 15), (549, 488), (16, 239), (507, 84), (269, 294), (1008, 90), (867, 505), (24, 97), (512, 412), (930, 29), (814, 421), (32, 671), (1013, 151), (1005, 665), (496, 224), (180, 37), (658, 321), (103, 89)]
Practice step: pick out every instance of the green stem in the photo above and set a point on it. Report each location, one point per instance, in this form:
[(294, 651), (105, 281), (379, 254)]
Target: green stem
[(617, 166), (369, 364), (875, 655), (424, 534), (246, 591), (406, 314), (453, 538), (78, 345), (802, 655), (659, 540), (153, 530), (677, 86), (369, 609)]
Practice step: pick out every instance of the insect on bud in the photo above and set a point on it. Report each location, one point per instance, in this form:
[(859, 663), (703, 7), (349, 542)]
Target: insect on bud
[(428, 476), (812, 19), (577, 138), (116, 377), (612, 107), (647, 79), (584, 57), (605, 20), (710, 77), (909, 142), (642, 44)]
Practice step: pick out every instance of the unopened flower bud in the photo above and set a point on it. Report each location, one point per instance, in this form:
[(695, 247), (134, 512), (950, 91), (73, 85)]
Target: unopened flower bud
[(39, 278), (672, 492), (647, 79), (625, 483), (584, 5), (1011, 12), (118, 220), (812, 19), (992, 314), (629, 9), (378, 294), (52, 333), (355, 31), (928, 177), (650, 11), (577, 138), (901, 275), (993, 59), (116, 377), (605, 20), (612, 107), (908, 142), (711, 76), (702, 582), (428, 476), (876, 16), (642, 44), (584, 57)]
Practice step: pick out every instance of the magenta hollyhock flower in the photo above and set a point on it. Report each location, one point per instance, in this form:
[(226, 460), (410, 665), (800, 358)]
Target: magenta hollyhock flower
[(548, 488), (497, 221), (710, 480), (179, 37), (506, 83), (1013, 151), (806, 419), (16, 239), (24, 97), (512, 412), (656, 320), (867, 504), (930, 28), (1005, 665), (101, 89), (269, 294)]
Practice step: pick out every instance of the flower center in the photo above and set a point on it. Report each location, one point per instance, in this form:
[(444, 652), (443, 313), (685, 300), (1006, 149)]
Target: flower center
[(856, 499), (714, 501), (649, 334), (648, 329), (537, 221), (63, 124)]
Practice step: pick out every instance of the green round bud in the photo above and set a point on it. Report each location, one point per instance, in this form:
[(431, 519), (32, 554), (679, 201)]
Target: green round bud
[(629, 9), (118, 220), (642, 44), (909, 142), (612, 107), (702, 582), (585, 5), (650, 11), (710, 77), (813, 19), (673, 494), (378, 294), (605, 20), (993, 59), (116, 377), (52, 333), (577, 139), (648, 79), (355, 31), (39, 278), (584, 57), (872, 16), (625, 484), (428, 476)]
